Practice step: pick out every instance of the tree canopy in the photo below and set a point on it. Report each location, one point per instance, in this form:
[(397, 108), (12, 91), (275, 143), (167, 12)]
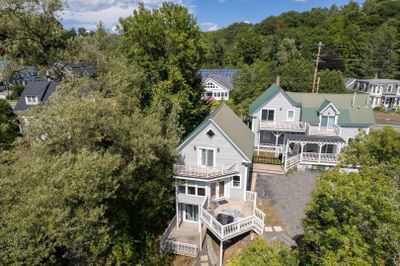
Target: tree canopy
[(9, 128)]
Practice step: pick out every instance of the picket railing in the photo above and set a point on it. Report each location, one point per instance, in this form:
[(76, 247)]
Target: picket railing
[(204, 172), (176, 247), (254, 222)]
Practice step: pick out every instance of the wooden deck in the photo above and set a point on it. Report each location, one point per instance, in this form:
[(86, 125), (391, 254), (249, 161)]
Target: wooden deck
[(268, 169), (186, 233), (246, 208)]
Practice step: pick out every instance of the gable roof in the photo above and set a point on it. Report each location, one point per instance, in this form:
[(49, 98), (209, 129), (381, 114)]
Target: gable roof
[(325, 105), (357, 114), (225, 82), (232, 126), (41, 89), (266, 96)]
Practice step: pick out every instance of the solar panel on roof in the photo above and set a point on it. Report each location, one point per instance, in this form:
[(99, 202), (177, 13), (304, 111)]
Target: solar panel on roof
[(221, 72)]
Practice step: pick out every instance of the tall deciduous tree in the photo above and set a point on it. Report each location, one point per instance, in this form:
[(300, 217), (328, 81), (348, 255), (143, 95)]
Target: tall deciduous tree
[(92, 183), (30, 30), (167, 44)]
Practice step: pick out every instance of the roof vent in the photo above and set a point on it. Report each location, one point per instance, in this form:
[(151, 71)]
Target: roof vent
[(210, 133)]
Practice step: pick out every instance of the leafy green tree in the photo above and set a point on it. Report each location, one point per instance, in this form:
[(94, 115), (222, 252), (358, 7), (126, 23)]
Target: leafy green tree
[(168, 45), (93, 186), (287, 51), (248, 46), (331, 82), (30, 30), (354, 219), (9, 128), (297, 75), (259, 252), (249, 83), (384, 57)]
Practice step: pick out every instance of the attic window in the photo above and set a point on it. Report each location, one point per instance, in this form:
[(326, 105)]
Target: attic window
[(210, 133), (31, 100)]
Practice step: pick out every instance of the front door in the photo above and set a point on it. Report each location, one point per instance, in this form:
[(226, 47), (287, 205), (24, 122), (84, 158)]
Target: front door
[(221, 189)]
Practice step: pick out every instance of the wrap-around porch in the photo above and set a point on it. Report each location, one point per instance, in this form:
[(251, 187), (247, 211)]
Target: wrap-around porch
[(312, 150)]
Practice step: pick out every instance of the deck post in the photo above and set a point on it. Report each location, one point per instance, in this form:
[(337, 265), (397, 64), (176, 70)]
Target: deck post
[(301, 151), (201, 235), (221, 253), (177, 214), (320, 151)]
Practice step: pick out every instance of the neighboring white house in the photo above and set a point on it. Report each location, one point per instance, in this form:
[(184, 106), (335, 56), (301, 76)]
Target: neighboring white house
[(305, 129), (382, 92), (217, 83), (212, 185)]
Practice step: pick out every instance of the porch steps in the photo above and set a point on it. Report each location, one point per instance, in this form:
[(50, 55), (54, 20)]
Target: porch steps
[(268, 169)]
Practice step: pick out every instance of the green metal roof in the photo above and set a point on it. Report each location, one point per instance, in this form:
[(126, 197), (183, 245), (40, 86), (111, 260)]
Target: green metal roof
[(325, 104), (232, 126), (266, 96), (357, 114)]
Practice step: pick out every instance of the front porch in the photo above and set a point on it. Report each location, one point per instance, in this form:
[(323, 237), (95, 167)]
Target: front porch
[(312, 150)]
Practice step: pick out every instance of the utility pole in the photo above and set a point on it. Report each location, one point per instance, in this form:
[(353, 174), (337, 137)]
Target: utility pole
[(319, 79), (314, 83)]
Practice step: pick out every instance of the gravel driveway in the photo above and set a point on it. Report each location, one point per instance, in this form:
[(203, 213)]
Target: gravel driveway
[(288, 195)]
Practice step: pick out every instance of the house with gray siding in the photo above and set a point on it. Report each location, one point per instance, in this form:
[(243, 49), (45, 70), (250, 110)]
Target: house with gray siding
[(217, 83), (305, 129), (382, 92), (213, 181)]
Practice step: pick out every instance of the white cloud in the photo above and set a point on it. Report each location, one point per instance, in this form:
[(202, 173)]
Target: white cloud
[(210, 26), (89, 13)]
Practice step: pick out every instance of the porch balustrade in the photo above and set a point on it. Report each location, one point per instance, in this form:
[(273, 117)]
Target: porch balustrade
[(320, 157), (223, 232), (204, 172), (177, 247), (283, 126)]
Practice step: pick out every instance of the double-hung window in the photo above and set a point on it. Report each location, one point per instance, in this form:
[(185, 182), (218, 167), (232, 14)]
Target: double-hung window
[(236, 181), (206, 157), (268, 115), (327, 121), (290, 116)]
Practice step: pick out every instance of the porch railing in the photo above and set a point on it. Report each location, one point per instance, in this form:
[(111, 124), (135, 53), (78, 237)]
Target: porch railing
[(283, 126), (254, 222), (317, 157), (251, 196), (204, 172), (292, 161), (176, 247)]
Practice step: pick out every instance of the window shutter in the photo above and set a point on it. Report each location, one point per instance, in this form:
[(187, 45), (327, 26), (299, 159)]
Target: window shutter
[(203, 157)]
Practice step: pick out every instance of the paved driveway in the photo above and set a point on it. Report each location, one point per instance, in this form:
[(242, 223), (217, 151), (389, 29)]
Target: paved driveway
[(288, 195)]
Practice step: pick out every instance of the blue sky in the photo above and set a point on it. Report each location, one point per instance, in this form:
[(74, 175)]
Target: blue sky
[(210, 14)]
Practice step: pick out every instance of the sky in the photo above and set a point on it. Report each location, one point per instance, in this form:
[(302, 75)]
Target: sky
[(210, 14)]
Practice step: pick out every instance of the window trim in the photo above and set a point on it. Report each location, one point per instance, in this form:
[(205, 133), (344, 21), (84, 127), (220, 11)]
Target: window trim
[(240, 182), (31, 103), (199, 148), (195, 190), (287, 115), (268, 109), (201, 187)]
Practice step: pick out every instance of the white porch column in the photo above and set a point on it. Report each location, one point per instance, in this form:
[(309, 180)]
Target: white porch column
[(177, 214), (201, 235), (301, 150), (221, 253), (320, 151), (285, 155)]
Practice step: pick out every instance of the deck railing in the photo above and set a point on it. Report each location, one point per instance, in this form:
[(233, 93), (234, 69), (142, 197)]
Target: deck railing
[(224, 232), (317, 157), (204, 172), (251, 196), (176, 247), (283, 126)]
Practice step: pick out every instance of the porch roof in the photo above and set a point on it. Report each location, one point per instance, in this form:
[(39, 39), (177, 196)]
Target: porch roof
[(315, 138)]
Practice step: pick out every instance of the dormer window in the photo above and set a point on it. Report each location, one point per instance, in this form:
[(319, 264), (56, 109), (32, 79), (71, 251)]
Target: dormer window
[(327, 121), (31, 100)]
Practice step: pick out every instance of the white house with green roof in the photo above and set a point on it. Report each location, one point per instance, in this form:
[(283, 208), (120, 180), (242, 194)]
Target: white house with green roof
[(307, 129), (212, 185)]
